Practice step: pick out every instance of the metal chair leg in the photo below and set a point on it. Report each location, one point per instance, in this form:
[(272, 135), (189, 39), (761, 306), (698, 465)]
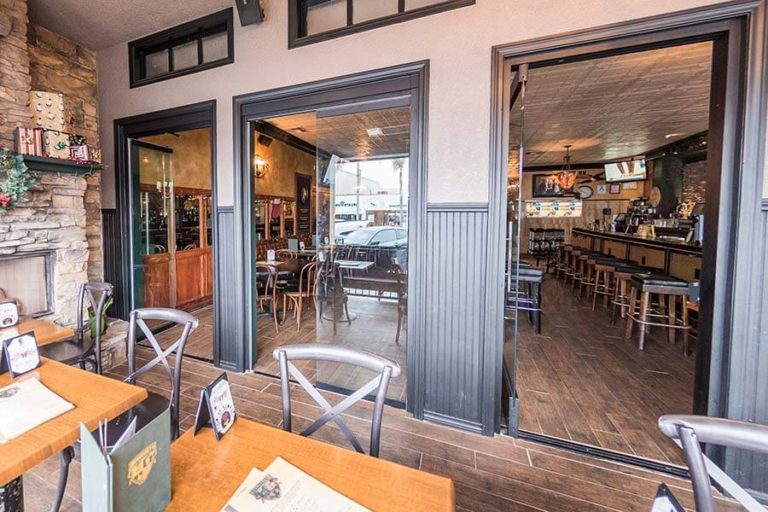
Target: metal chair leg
[(67, 454)]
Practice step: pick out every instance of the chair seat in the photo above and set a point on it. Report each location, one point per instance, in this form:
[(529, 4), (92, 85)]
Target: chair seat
[(144, 412), (655, 279), (628, 269), (66, 351)]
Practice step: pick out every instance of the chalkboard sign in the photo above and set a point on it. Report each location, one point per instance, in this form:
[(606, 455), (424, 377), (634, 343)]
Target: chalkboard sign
[(303, 204)]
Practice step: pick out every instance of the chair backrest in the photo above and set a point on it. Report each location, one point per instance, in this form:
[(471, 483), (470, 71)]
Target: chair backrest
[(689, 431), (385, 369), (286, 254), (267, 275), (307, 278), (93, 296), (137, 323)]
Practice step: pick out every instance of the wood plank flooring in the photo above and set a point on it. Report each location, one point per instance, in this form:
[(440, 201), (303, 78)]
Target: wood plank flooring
[(490, 473), (582, 381)]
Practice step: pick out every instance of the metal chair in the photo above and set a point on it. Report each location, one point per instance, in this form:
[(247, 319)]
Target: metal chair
[(384, 368), (83, 346), (689, 431), (154, 404), (267, 282)]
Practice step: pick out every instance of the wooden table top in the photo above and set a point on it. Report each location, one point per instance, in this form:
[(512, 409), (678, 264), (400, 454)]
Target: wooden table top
[(45, 332), (205, 473), (95, 398)]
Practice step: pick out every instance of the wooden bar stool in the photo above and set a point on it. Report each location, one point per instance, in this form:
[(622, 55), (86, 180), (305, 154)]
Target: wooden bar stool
[(588, 282), (667, 289), (621, 276), (603, 269), (561, 265), (527, 297), (573, 264)]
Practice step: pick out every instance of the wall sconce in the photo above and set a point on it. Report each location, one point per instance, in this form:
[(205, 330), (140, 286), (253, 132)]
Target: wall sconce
[(260, 166)]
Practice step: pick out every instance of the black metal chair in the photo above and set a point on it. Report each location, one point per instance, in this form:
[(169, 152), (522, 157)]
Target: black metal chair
[(690, 431), (385, 369), (154, 404), (84, 346)]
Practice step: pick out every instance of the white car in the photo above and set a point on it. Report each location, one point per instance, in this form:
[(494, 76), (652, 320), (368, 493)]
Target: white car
[(378, 236), (344, 228)]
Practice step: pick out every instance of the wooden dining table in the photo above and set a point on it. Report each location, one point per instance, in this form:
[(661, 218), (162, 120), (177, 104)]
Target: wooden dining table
[(94, 397), (45, 332), (205, 472)]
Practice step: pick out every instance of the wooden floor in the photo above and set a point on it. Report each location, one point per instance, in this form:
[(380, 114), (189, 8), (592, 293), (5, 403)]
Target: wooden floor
[(490, 474), (581, 380), (373, 329)]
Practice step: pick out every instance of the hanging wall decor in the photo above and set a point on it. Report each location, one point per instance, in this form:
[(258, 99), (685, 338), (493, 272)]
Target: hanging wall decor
[(15, 180)]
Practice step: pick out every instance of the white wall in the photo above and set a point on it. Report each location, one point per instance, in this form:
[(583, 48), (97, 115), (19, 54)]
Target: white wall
[(457, 43)]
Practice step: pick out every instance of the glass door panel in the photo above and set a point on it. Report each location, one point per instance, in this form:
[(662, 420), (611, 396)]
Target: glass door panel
[(361, 201), (153, 230), (516, 152)]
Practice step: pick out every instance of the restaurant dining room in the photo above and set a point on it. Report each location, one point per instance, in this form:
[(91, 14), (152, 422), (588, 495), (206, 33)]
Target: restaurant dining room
[(608, 182)]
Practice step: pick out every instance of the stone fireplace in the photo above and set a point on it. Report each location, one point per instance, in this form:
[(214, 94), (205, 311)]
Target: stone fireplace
[(52, 222)]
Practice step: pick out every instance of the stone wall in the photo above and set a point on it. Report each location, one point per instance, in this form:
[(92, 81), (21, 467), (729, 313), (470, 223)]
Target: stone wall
[(60, 65), (54, 219), (15, 80)]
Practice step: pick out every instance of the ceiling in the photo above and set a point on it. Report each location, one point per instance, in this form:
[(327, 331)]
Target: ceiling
[(99, 24), (348, 135), (614, 107)]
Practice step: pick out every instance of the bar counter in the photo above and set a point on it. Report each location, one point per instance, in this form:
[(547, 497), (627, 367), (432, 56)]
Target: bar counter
[(677, 259)]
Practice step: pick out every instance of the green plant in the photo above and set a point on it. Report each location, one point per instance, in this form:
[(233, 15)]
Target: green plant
[(15, 180), (103, 321)]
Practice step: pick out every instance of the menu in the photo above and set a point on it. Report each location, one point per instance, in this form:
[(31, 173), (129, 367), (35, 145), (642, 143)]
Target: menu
[(283, 487), (27, 404)]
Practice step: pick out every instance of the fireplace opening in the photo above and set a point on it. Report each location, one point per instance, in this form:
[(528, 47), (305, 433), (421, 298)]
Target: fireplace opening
[(27, 278)]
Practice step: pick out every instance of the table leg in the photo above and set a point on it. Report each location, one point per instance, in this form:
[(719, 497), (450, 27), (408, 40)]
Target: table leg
[(12, 496)]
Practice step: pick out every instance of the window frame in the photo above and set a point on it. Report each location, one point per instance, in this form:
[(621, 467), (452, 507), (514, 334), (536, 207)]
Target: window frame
[(297, 20), (221, 22)]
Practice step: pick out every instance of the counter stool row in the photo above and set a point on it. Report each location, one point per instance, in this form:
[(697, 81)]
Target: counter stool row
[(641, 295)]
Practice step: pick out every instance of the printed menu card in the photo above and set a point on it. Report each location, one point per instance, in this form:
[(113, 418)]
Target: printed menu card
[(26, 404), (283, 487)]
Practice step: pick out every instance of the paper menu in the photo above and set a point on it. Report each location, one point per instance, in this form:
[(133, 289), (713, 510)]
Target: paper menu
[(26, 404), (283, 487)]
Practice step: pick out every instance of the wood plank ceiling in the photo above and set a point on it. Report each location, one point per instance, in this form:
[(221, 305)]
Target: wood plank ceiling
[(363, 135), (614, 107)]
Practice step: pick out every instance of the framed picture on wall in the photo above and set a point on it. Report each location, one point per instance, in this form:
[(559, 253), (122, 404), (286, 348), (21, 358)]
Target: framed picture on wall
[(630, 185), (548, 185), (615, 189), (602, 189)]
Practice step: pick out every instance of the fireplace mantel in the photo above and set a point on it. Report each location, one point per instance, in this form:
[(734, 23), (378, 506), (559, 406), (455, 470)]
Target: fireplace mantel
[(59, 165)]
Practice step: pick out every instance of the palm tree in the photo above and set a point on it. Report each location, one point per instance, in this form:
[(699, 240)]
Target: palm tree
[(397, 165)]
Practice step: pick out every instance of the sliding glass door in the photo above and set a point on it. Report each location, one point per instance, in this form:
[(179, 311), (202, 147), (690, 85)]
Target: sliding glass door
[(361, 197)]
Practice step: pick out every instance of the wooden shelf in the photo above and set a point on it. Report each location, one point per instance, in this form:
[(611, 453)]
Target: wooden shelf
[(42, 163)]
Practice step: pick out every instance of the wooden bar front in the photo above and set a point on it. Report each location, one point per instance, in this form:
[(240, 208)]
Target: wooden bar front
[(677, 259)]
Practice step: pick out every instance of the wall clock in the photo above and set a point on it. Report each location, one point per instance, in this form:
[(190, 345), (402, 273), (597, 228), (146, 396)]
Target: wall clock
[(585, 191)]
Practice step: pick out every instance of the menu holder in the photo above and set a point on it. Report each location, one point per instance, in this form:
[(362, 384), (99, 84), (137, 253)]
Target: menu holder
[(216, 408), (134, 476), (19, 354), (9, 313), (665, 501)]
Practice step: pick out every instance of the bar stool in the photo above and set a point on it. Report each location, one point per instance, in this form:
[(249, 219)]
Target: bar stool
[(579, 257), (588, 281), (667, 289), (572, 258), (528, 295), (561, 264), (621, 276), (603, 268)]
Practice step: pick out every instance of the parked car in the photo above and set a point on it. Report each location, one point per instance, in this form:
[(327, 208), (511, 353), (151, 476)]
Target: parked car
[(344, 228), (378, 236)]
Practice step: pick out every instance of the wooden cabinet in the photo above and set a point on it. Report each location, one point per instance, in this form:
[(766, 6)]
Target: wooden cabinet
[(176, 253)]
